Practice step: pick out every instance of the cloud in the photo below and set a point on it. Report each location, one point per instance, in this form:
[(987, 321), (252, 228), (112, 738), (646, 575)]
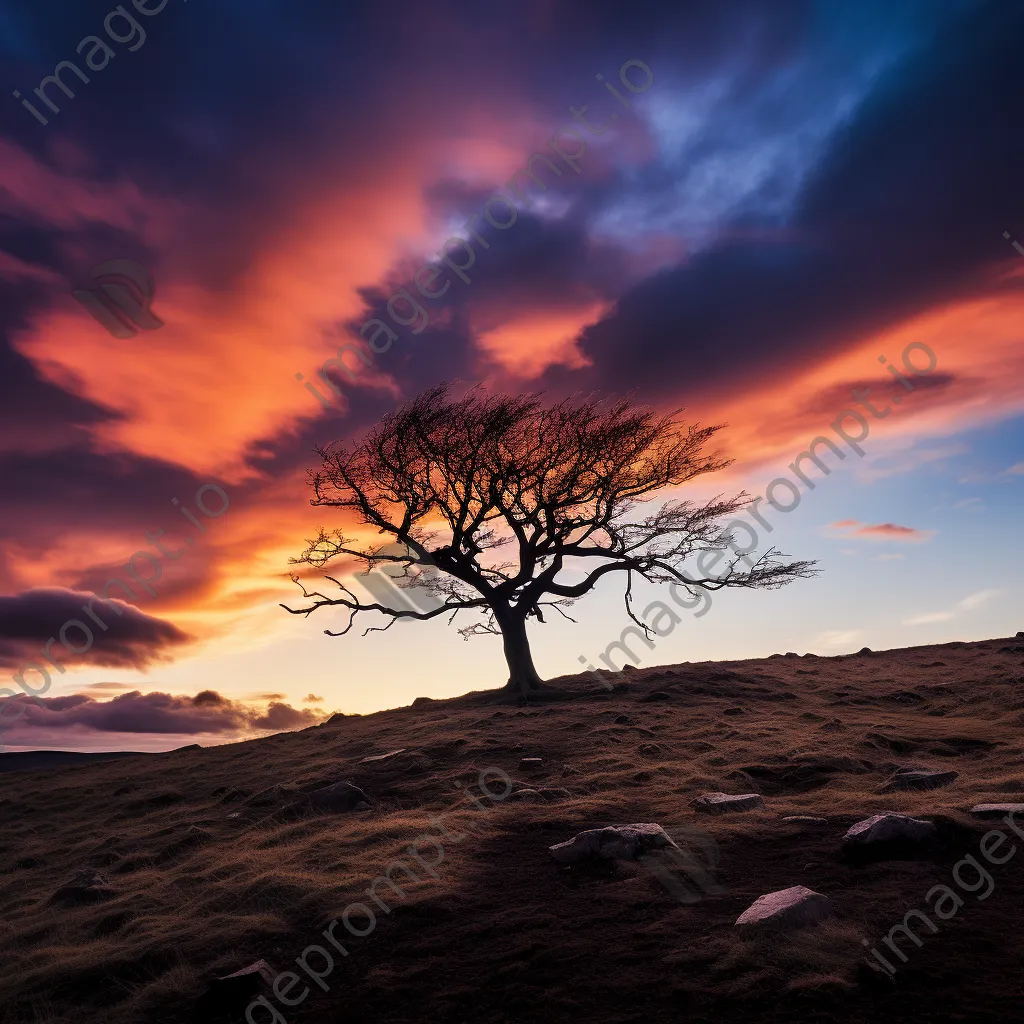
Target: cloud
[(1017, 469), (839, 638), (208, 713), (131, 639), (888, 557), (921, 620), (312, 698), (973, 601), (969, 502), (882, 531), (969, 604)]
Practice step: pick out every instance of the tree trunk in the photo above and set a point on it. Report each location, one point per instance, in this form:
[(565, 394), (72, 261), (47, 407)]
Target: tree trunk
[(522, 675)]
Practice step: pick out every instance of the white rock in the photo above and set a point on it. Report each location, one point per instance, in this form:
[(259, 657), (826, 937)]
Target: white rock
[(918, 778), (615, 842), (996, 810), (793, 908), (716, 803), (888, 828)]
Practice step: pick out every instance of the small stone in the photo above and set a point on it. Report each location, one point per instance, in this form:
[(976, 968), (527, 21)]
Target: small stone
[(833, 725), (382, 757), (889, 828), (795, 907), (648, 698), (917, 779), (531, 762), (623, 720), (341, 796), (86, 887), (717, 803), (734, 711), (649, 748), (615, 842), (996, 810), (804, 819)]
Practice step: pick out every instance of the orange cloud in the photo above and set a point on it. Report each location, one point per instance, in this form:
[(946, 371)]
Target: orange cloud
[(882, 531)]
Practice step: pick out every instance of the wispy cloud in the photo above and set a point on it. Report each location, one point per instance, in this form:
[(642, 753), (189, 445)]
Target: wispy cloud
[(881, 531), (921, 620), (972, 601), (839, 638), (968, 604), (969, 502)]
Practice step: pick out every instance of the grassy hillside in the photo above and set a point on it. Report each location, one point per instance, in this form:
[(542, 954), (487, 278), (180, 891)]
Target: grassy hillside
[(207, 867)]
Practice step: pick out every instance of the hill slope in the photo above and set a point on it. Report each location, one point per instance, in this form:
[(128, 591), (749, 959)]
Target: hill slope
[(206, 869)]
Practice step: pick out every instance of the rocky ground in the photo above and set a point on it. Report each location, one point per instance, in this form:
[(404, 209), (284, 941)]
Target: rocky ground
[(130, 885)]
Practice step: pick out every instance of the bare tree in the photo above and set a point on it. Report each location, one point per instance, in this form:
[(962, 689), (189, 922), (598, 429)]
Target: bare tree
[(507, 498)]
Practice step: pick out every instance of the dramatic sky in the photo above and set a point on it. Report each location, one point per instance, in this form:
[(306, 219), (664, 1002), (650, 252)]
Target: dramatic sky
[(803, 188)]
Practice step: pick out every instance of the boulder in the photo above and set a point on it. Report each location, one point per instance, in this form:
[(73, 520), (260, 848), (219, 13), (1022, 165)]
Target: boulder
[(889, 828), (382, 757), (718, 803), (86, 887), (918, 778), (996, 810), (795, 907), (623, 720), (341, 797), (337, 718), (615, 842)]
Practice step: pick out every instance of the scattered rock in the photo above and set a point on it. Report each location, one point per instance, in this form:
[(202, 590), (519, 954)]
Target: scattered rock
[(530, 762), (717, 803), (339, 797), (615, 842), (649, 748), (649, 698), (889, 828), (86, 887), (804, 819), (526, 794), (918, 778), (795, 907), (734, 711), (382, 757), (865, 650), (833, 725), (996, 810), (623, 720)]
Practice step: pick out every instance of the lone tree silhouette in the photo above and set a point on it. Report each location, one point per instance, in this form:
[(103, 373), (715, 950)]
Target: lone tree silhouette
[(454, 482)]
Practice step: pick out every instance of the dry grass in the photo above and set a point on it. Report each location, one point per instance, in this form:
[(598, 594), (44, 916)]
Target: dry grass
[(503, 934)]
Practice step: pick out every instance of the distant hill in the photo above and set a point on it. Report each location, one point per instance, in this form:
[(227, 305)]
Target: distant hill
[(33, 760)]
